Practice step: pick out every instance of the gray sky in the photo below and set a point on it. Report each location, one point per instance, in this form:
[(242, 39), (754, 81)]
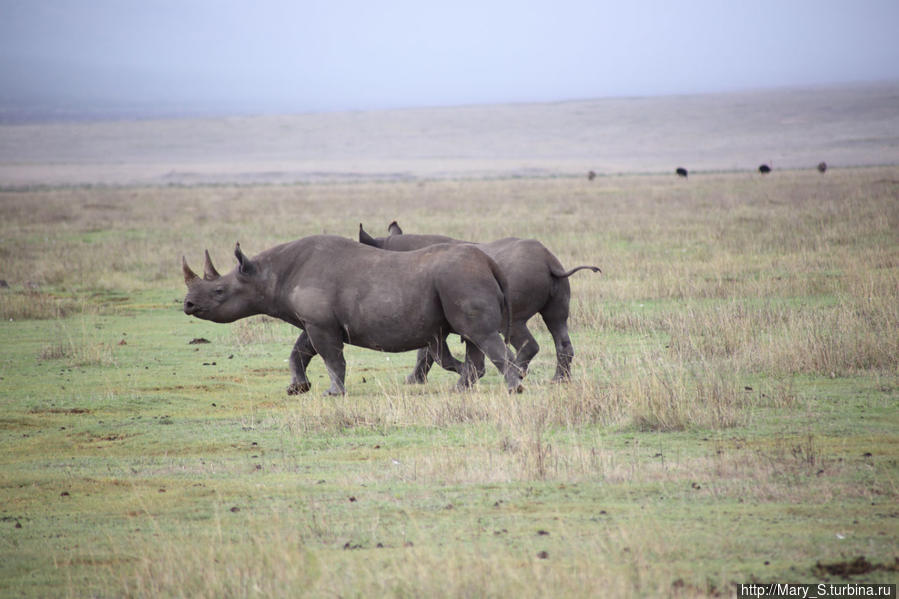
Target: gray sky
[(311, 55)]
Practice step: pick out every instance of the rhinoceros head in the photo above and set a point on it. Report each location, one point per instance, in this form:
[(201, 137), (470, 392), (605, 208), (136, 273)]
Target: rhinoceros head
[(380, 242), (222, 298), (398, 242)]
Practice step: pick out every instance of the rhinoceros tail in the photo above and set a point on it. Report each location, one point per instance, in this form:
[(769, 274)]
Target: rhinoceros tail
[(562, 274), (507, 306)]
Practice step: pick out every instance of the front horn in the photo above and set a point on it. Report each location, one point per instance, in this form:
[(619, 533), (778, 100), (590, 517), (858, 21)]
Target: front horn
[(189, 275)]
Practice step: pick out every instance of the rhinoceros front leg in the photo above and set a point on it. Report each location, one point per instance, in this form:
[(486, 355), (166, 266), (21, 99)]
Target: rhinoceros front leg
[(423, 363), (525, 345), (299, 359), (329, 345), (436, 351), (473, 367)]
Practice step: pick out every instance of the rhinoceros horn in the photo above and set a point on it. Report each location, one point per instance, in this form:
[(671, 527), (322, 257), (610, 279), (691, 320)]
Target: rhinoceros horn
[(209, 271), (189, 275)]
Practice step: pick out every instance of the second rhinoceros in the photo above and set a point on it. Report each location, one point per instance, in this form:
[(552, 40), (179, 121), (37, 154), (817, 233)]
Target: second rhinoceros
[(342, 292), (537, 282)]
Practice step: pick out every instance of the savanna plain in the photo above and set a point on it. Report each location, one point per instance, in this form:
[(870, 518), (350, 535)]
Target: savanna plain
[(732, 414)]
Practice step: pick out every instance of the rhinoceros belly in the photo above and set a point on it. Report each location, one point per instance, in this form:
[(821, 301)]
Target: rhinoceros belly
[(392, 325)]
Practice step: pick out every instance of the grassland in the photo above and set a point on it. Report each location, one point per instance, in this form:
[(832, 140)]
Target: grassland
[(732, 415)]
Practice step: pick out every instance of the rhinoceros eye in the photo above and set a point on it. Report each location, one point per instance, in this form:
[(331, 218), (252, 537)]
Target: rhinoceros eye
[(219, 291)]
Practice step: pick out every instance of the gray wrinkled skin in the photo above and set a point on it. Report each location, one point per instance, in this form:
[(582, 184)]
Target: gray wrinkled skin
[(342, 292), (537, 282)]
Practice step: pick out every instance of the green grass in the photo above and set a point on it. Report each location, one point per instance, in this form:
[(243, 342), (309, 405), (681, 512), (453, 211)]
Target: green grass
[(732, 417)]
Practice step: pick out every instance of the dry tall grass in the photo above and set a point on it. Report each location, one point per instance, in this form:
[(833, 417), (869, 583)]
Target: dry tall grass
[(274, 556)]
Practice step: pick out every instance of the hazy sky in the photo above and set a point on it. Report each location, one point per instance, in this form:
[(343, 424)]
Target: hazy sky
[(309, 55)]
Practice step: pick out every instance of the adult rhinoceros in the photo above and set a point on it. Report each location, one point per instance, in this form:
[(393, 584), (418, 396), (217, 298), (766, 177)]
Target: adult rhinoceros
[(339, 291), (537, 282)]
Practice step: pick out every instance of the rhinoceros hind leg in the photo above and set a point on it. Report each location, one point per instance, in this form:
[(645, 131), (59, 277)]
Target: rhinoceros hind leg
[(476, 357), (436, 351), (564, 350), (440, 352), (470, 372), (492, 345), (329, 345)]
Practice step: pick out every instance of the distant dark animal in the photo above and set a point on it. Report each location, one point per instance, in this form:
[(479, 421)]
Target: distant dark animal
[(822, 167), (591, 175), (681, 172), (764, 169), (339, 291), (536, 280)]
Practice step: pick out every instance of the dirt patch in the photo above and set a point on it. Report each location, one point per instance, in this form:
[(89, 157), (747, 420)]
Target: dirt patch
[(91, 440), (856, 567), (59, 411), (266, 370), (171, 388)]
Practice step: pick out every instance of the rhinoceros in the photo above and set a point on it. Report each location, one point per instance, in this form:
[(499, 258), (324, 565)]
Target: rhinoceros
[(537, 282), (339, 291)]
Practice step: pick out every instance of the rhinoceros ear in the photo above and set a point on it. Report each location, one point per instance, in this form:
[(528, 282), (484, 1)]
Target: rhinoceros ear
[(394, 229), (366, 238), (245, 266), (189, 275), (209, 271)]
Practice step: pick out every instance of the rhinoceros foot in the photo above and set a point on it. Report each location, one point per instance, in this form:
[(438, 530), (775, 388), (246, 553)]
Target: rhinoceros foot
[(298, 388), (415, 379)]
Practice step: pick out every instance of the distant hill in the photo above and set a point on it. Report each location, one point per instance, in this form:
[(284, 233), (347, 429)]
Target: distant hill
[(790, 128)]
